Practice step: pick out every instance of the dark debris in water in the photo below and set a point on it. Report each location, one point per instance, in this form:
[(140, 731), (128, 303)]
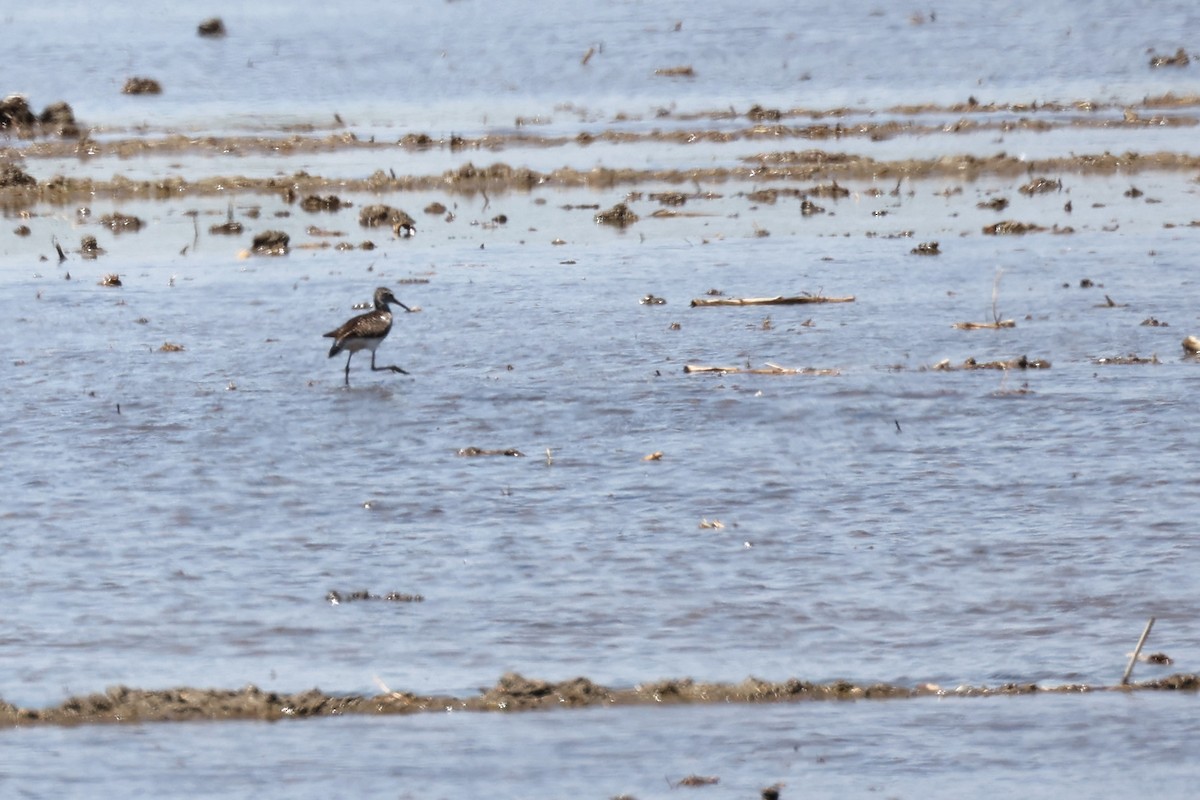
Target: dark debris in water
[(1022, 362), (1132, 358), (334, 597), (471, 452), (512, 693)]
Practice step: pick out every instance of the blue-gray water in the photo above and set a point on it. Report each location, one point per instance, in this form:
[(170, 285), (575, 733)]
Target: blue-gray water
[(177, 518)]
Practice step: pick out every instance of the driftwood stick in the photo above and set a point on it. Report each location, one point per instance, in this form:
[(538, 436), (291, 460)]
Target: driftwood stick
[(975, 326), (769, 301), (1136, 652), (770, 369)]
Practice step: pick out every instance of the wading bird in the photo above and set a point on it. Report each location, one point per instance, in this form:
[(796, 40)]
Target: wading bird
[(366, 331)]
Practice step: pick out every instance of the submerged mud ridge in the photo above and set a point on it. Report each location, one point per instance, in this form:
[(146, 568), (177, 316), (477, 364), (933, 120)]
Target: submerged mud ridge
[(805, 150), (512, 692), (26, 189)]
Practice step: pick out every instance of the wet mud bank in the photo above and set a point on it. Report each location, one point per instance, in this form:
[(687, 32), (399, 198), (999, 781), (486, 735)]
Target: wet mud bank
[(512, 692)]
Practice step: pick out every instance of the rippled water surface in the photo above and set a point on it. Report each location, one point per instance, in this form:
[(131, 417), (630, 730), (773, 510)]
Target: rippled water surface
[(177, 518)]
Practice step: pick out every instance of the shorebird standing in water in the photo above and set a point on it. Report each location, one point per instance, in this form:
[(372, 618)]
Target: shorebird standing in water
[(366, 331)]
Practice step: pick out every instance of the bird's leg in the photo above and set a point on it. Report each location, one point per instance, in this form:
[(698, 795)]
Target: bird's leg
[(392, 367), (348, 357)]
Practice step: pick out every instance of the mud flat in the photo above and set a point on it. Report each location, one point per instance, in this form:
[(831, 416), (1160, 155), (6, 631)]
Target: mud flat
[(513, 692)]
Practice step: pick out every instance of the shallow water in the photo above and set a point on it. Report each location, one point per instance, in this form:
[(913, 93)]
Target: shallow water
[(1038, 747), (177, 518)]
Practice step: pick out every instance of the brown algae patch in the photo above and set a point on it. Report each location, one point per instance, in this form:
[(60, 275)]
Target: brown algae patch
[(513, 692)]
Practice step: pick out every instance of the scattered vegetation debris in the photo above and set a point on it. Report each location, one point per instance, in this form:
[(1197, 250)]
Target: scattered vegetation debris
[(1161, 659), (769, 301), (11, 175), (1180, 59), (1191, 345), (119, 222), (170, 347), (1041, 186), (212, 27), (1132, 358), (927, 249), (142, 86), (334, 597), (22, 230), (315, 202), (89, 248), (111, 279), (995, 204), (708, 524), (1024, 362), (1110, 303), (653, 300), (1133, 192), (769, 369), (684, 71), (270, 243), (698, 780), (435, 208), (655, 456), (470, 452), (230, 228), (808, 208), (1086, 283), (619, 215), (378, 215), (1151, 322), (1011, 227), (763, 196)]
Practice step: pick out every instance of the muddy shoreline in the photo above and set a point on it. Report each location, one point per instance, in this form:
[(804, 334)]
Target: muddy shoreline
[(512, 693)]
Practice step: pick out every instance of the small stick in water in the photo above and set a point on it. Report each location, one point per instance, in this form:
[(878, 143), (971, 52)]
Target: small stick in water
[(1137, 651)]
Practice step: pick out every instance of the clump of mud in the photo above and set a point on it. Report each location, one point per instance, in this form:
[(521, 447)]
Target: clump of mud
[(229, 228), (141, 86), (213, 27), (315, 203), (13, 176), (270, 243), (619, 215), (378, 215), (89, 248), (57, 118), (119, 222), (1011, 227)]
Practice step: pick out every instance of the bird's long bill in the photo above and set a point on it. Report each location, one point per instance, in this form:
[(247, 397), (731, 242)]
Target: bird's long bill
[(397, 302)]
